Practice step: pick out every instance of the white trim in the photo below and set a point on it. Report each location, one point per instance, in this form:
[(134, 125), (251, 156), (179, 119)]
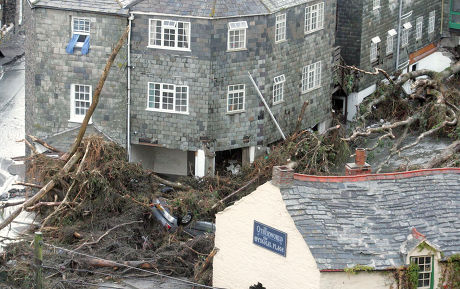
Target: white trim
[(174, 98), (278, 88), (407, 25), (392, 32), (280, 32), (78, 117), (390, 40), (315, 70), (235, 28), (173, 25), (374, 51), (419, 28), (239, 90), (376, 40), (316, 12), (431, 21), (81, 32)]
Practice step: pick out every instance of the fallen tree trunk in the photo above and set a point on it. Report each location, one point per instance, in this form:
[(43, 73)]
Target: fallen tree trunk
[(100, 263), (443, 156), (43, 143), (43, 191), (169, 183)]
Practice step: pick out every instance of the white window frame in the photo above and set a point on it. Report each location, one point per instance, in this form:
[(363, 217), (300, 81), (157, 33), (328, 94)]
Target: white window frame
[(158, 40), (278, 88), (237, 28), (390, 41), (419, 28), (405, 34), (424, 273), (375, 4), (311, 77), (374, 52), (236, 91), (167, 88), (80, 31), (74, 117), (314, 18), (431, 21), (280, 28)]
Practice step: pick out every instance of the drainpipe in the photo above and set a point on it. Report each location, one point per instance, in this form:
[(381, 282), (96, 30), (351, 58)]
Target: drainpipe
[(128, 117), (442, 15), (399, 33)]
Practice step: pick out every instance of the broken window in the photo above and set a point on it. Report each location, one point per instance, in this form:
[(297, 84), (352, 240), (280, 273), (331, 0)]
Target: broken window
[(237, 35), (314, 17), (169, 34), (80, 101), (235, 98), (167, 97), (280, 29), (311, 76)]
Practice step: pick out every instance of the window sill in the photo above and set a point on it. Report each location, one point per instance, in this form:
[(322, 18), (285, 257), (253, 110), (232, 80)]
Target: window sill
[(167, 111), (238, 49), (312, 31), (169, 48), (280, 41), (77, 120), (235, 112), (311, 89), (278, 102), (376, 8)]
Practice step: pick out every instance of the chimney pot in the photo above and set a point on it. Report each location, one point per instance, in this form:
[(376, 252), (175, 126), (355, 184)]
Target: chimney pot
[(360, 158), (282, 177)]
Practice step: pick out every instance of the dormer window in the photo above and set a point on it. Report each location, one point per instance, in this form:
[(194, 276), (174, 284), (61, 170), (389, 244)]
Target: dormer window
[(237, 35)]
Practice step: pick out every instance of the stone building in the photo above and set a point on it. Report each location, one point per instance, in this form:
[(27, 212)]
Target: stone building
[(318, 232), (184, 75), (389, 34)]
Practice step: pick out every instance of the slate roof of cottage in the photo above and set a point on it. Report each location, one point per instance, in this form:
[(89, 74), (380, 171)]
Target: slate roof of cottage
[(201, 8), (99, 6), (367, 220)]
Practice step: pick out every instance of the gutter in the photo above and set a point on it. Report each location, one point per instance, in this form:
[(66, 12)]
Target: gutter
[(128, 116)]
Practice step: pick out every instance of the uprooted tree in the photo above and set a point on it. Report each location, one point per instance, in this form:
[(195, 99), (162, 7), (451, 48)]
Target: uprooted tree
[(432, 108)]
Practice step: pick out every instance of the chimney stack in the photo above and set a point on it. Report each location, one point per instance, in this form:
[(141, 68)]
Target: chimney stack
[(359, 167), (282, 176)]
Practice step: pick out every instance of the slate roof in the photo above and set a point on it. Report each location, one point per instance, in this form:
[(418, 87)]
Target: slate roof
[(367, 222), (201, 8), (99, 6)]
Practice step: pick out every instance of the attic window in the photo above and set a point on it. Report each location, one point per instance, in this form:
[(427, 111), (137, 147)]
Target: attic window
[(237, 35)]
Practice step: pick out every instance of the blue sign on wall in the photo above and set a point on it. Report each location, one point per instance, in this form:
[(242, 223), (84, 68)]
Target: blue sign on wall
[(270, 238)]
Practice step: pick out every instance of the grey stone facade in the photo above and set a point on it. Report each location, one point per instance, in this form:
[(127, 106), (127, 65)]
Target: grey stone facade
[(51, 72), (207, 69), (358, 23)]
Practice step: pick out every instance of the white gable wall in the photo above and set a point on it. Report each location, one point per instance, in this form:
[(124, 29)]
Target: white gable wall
[(239, 263)]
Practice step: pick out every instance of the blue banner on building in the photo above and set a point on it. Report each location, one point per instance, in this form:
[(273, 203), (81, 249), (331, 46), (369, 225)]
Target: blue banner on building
[(270, 238)]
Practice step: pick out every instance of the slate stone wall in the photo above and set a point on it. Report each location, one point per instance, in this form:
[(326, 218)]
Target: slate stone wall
[(50, 71), (377, 23), (208, 70), (9, 11)]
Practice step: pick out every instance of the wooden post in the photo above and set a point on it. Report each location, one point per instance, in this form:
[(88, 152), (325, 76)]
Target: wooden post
[(38, 243)]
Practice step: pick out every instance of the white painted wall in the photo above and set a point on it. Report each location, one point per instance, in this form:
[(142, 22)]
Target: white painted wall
[(361, 280), (200, 163), (160, 160), (356, 98), (239, 263), (435, 61)]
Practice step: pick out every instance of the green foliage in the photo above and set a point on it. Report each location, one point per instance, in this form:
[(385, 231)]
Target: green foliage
[(450, 277), (412, 275), (358, 268), (349, 83), (424, 245)]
